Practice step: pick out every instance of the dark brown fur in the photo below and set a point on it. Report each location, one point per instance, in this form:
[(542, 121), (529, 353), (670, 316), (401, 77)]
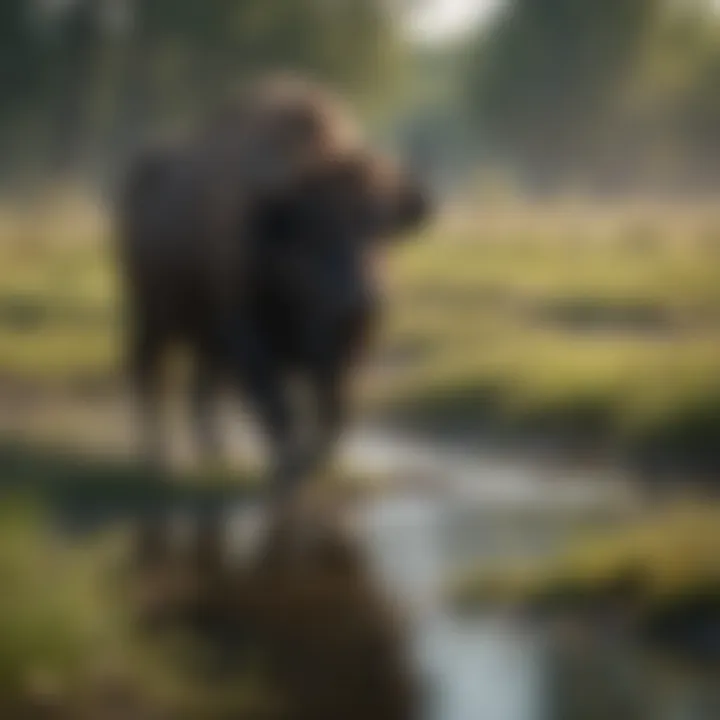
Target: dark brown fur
[(242, 261), (306, 613)]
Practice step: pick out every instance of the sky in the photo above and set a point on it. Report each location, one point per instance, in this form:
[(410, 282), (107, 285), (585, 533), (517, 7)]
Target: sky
[(439, 20)]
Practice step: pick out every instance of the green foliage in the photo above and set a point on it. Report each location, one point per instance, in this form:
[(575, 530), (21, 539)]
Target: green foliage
[(70, 640), (611, 95), (654, 560), (55, 621), (81, 84)]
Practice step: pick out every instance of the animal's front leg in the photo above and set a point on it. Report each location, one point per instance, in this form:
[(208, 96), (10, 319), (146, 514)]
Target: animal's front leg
[(261, 378), (331, 400)]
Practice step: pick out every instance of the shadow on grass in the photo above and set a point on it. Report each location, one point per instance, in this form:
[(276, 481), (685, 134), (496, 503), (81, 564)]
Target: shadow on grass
[(94, 490)]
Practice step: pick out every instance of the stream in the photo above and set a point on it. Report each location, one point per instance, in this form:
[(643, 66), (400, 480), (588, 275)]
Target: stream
[(440, 510), (443, 510), (480, 509)]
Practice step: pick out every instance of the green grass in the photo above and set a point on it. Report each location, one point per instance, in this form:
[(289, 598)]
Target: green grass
[(560, 330), (599, 326), (659, 560), (84, 627), (103, 488), (60, 320), (70, 640), (56, 620)]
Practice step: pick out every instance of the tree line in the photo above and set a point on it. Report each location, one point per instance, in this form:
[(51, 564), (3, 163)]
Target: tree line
[(607, 95), (82, 81)]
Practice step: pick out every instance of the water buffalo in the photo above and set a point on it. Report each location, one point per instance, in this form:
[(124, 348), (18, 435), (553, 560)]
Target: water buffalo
[(253, 258), (315, 293)]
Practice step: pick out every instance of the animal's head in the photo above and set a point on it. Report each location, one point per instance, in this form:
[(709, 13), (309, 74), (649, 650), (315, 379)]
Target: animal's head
[(321, 235), (369, 198)]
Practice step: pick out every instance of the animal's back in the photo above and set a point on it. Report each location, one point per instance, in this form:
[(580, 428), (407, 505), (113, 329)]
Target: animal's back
[(161, 236)]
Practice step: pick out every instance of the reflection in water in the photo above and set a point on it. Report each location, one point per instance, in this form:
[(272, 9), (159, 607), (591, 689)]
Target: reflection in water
[(321, 597), (474, 668), (303, 612), (315, 604), (494, 668), (482, 669)]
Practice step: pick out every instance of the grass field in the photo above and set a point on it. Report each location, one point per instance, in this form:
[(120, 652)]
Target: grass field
[(74, 642), (106, 609), (597, 327), (663, 566), (602, 328)]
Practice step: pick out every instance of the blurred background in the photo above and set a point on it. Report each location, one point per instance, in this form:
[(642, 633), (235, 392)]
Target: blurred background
[(535, 464), (605, 97)]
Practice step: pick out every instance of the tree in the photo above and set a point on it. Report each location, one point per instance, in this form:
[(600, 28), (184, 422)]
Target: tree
[(545, 80), (86, 89)]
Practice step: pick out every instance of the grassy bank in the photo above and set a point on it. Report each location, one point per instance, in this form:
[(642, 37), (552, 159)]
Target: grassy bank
[(659, 573), (70, 641), (131, 618), (597, 329), (93, 491)]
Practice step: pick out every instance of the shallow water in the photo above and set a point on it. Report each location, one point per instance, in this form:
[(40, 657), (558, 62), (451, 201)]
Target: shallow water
[(491, 667), (473, 668), (443, 509)]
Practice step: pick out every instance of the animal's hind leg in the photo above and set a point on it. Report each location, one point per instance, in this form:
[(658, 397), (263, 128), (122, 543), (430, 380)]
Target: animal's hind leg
[(257, 370), (204, 409), (145, 356), (331, 414)]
